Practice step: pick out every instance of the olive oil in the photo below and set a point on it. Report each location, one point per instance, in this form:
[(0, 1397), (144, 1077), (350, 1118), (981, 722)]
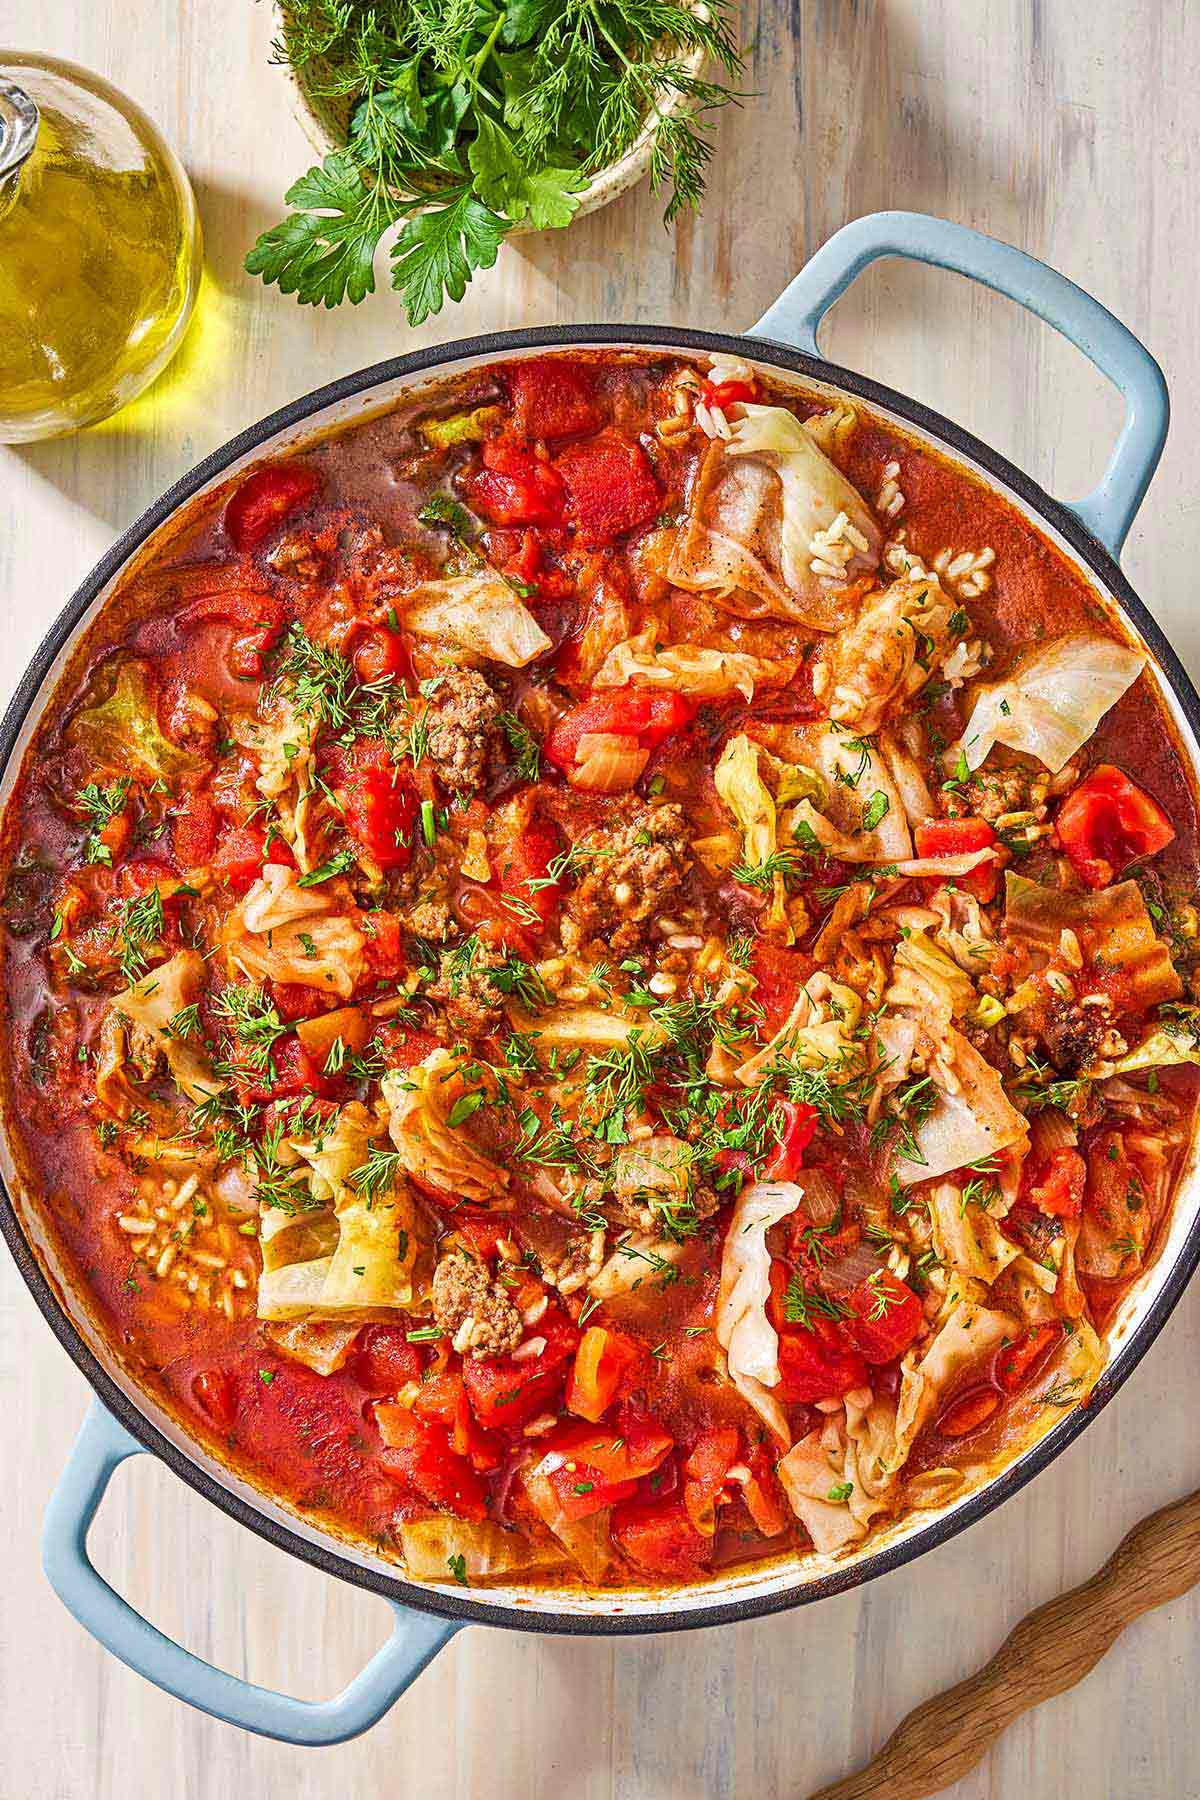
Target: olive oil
[(99, 249)]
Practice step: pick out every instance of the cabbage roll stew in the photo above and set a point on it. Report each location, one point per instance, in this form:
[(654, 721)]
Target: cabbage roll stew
[(601, 975)]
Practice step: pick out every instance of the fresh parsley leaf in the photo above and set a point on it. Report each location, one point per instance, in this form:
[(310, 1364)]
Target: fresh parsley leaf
[(324, 251), (437, 253)]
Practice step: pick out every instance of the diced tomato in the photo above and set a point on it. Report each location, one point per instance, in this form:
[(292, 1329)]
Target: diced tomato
[(1018, 1363), (444, 1398), (958, 837), (242, 852), (624, 712), (289, 1071), (522, 874), (815, 1363), (265, 499), (633, 1447), (1108, 822), (704, 1474), (382, 943), (764, 1497), (507, 1393), (552, 398), (515, 487), (727, 393), (659, 1539), (779, 974), (381, 808), (799, 1128), (580, 1494), (215, 1393), (611, 488), (888, 1316), (969, 1411), (294, 1001), (380, 653), (603, 1362), (1055, 1184), (403, 1046), (385, 1361), (427, 1465), (194, 830)]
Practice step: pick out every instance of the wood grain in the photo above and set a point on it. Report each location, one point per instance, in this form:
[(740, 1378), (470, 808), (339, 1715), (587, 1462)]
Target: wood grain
[(1048, 1652), (1067, 126)]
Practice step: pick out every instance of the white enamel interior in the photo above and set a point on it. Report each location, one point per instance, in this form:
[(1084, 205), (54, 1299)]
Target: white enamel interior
[(736, 1587)]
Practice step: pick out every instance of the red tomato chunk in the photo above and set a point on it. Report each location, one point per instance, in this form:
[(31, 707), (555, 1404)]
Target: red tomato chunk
[(552, 398), (265, 499), (610, 487), (516, 487), (1108, 822)]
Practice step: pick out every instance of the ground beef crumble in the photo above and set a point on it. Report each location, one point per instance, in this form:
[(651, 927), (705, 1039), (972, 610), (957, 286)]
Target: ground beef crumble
[(474, 1311), (464, 738), (471, 1003), (634, 877)]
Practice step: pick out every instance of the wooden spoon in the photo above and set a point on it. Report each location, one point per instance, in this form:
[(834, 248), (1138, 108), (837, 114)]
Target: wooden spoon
[(1048, 1652)]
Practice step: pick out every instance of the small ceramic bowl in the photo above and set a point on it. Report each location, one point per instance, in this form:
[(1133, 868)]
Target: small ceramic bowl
[(325, 120)]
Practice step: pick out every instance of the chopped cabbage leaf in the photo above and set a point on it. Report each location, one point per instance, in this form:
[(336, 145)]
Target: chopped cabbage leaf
[(333, 1158), (810, 1472), (689, 668), (587, 1542), (360, 1256), (967, 1335), (818, 1033), (775, 530), (461, 427), (283, 932), (923, 976), (743, 1329), (971, 1118), (481, 614), (1113, 926), (1053, 700), (966, 1237), (158, 998), (1166, 1045), (421, 1101), (743, 790), (120, 732), (897, 643), (862, 817), (322, 1345), (588, 1025), (479, 1549), (638, 1259)]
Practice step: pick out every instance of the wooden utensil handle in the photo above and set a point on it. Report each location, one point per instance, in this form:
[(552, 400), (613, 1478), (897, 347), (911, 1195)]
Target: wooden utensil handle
[(1048, 1651)]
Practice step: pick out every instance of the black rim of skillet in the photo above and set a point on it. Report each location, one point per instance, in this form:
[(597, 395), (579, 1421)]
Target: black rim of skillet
[(668, 1618)]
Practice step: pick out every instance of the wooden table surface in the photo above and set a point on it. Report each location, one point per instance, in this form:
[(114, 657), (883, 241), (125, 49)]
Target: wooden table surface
[(1066, 126)]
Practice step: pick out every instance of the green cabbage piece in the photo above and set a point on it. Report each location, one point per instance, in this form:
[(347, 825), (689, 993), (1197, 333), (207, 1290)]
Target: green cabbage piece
[(460, 428), (1173, 1041), (121, 731)]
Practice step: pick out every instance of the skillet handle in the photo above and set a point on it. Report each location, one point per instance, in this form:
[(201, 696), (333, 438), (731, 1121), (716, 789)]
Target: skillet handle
[(102, 1445), (796, 317)]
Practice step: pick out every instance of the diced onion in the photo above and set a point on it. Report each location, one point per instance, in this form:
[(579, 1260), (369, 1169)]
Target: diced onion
[(606, 763)]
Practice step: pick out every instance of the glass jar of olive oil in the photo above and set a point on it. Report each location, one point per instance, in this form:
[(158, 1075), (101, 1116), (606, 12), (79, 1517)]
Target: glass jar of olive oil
[(99, 249)]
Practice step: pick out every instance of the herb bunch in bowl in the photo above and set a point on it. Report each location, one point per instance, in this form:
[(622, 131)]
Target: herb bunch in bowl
[(467, 119)]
